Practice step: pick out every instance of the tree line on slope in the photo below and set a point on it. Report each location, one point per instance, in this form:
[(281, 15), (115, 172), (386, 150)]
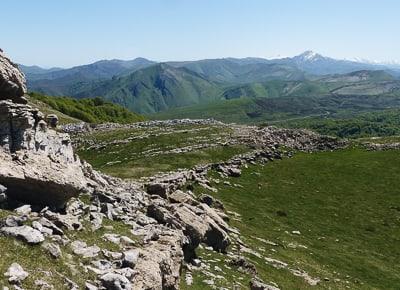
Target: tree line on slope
[(94, 110)]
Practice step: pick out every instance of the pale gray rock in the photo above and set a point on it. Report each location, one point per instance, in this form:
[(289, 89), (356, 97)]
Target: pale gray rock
[(199, 224), (89, 286), (188, 279), (113, 281), (234, 172), (15, 221), (26, 233), (96, 220), (112, 255), (53, 249), (36, 167), (160, 262), (256, 284), (81, 248), (179, 196), (102, 264), (24, 210), (43, 285), (130, 258), (3, 195), (48, 224), (16, 274), (67, 221), (12, 81), (197, 262), (52, 120), (113, 238), (126, 241)]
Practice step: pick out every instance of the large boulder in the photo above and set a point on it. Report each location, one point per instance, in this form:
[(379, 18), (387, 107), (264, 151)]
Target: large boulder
[(37, 164), (12, 81), (200, 224), (159, 264)]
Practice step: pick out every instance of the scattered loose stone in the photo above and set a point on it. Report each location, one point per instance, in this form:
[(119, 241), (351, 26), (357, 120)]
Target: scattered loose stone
[(130, 258), (15, 221), (89, 286), (80, 248), (256, 284), (43, 285), (112, 281), (24, 210), (196, 262), (26, 233), (188, 279), (16, 274), (53, 249)]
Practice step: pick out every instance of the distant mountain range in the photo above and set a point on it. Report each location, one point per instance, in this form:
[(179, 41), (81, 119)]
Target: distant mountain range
[(145, 86)]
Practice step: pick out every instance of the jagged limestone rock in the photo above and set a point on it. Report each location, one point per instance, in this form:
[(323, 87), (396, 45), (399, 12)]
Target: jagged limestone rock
[(37, 167), (12, 81)]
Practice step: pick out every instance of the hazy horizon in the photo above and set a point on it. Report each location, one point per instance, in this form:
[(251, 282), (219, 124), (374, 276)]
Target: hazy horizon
[(69, 33)]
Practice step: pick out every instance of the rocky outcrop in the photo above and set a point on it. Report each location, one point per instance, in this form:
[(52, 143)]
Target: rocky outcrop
[(38, 164), (199, 223), (12, 81)]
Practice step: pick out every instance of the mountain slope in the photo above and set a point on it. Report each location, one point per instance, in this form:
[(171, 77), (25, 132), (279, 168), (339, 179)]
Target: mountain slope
[(231, 70), (36, 70), (156, 88), (66, 81), (314, 63)]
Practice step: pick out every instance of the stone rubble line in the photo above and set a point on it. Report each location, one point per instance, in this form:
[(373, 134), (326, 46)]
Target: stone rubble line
[(39, 168)]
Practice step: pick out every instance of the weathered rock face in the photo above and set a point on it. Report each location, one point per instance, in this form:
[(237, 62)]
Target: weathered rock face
[(37, 164), (12, 81)]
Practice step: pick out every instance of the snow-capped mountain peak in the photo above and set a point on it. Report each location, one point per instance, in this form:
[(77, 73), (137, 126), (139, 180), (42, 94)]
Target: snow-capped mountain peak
[(308, 56)]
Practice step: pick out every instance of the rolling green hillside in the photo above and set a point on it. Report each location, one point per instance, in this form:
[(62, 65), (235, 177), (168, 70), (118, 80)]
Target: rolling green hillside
[(343, 205), (88, 110)]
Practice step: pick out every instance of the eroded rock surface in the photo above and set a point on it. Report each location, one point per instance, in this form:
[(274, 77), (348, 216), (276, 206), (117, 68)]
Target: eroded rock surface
[(12, 81), (38, 165)]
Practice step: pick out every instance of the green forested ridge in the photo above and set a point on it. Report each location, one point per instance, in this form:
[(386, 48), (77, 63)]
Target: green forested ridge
[(156, 88), (94, 110)]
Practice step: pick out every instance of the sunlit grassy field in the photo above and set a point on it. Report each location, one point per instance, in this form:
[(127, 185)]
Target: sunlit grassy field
[(155, 151), (346, 206)]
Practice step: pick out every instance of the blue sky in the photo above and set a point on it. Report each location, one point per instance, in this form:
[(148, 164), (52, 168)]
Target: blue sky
[(72, 32)]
